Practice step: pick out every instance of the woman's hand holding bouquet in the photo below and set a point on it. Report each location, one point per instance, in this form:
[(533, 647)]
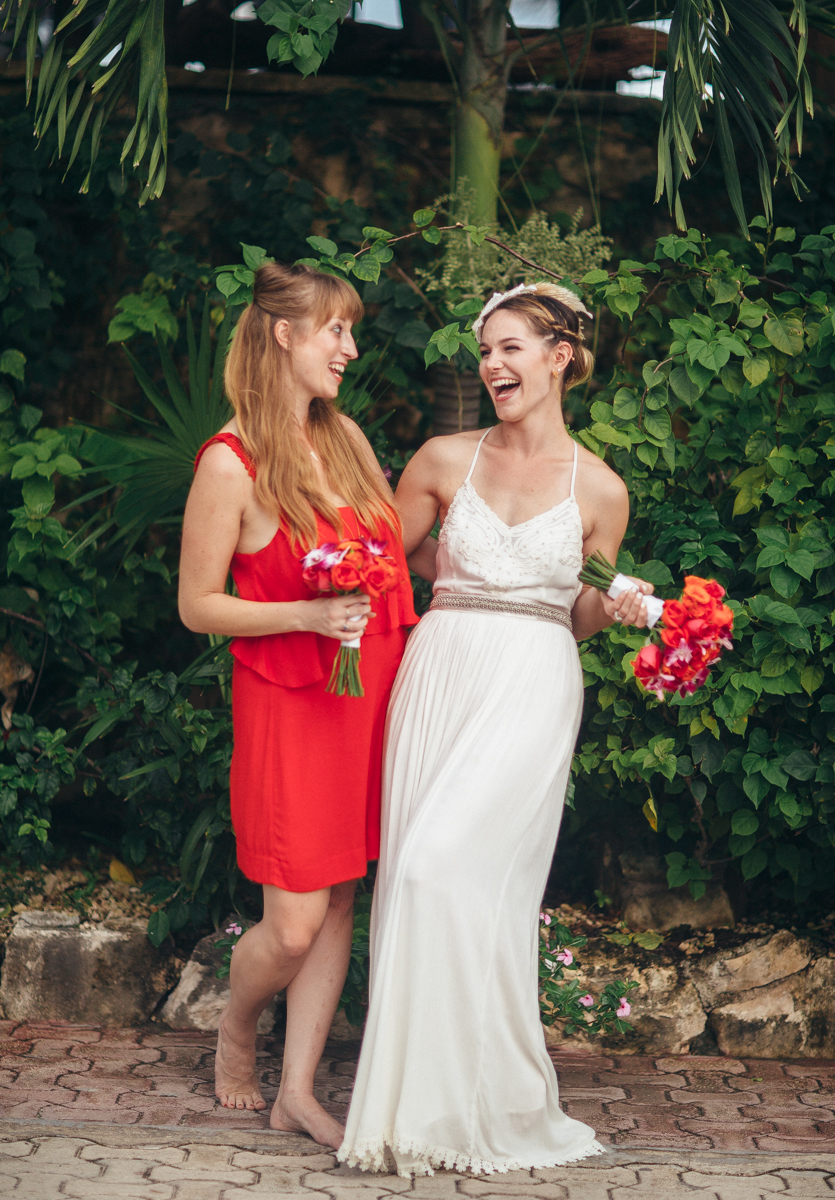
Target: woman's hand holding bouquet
[(696, 629), (360, 569)]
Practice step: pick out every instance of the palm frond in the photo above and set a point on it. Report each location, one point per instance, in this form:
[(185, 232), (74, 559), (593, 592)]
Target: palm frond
[(154, 471), (128, 36), (746, 59)]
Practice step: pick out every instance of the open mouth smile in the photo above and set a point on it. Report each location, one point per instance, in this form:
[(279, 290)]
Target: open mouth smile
[(505, 387), (336, 369)]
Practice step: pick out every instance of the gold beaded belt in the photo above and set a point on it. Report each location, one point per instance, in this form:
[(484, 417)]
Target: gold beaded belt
[(492, 604)]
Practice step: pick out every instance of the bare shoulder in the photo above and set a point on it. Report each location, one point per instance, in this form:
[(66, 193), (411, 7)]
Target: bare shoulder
[(595, 478), (221, 464), (358, 439), (351, 427), (449, 451)]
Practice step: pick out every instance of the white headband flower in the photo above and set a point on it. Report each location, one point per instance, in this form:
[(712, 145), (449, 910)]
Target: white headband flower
[(564, 295)]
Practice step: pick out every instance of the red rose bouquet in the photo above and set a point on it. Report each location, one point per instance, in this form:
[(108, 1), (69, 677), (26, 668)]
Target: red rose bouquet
[(353, 566), (696, 629)]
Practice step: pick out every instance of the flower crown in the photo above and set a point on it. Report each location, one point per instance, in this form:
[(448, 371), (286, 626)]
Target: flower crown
[(564, 295)]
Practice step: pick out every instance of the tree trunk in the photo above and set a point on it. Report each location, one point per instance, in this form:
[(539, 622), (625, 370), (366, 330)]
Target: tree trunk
[(457, 399), (479, 117)]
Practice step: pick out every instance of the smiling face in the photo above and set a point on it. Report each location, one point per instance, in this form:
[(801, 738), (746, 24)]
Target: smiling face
[(517, 365), (318, 358)]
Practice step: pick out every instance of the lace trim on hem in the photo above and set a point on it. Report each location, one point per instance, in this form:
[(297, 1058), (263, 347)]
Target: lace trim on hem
[(375, 1154)]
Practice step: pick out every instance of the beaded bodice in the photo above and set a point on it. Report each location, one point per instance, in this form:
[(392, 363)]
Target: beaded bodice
[(538, 560)]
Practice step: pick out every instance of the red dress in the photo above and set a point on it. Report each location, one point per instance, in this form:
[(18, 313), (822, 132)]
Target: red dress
[(305, 780)]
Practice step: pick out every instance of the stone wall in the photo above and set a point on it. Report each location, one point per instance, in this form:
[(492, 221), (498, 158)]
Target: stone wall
[(768, 997)]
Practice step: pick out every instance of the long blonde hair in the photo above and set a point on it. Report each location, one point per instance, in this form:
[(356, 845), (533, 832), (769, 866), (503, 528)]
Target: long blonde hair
[(554, 321), (259, 385)]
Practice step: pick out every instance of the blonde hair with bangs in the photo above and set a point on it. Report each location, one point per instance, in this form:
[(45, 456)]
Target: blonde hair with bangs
[(258, 379), (554, 321)]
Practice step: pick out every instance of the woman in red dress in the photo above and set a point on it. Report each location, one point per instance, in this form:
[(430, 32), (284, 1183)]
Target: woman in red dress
[(286, 474)]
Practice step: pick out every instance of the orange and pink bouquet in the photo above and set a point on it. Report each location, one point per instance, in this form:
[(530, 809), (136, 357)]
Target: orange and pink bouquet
[(353, 566), (696, 628)]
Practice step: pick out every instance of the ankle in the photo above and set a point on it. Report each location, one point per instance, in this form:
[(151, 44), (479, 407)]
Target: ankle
[(241, 1032), (293, 1095)]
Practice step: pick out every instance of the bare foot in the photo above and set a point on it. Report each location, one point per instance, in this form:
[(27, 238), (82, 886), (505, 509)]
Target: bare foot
[(235, 1082), (304, 1114)]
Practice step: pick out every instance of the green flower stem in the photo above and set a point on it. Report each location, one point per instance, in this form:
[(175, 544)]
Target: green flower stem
[(598, 572), (345, 675)]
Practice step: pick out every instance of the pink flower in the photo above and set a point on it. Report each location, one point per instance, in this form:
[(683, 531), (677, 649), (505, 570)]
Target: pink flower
[(587, 1001), (374, 546), (565, 956), (324, 557), (546, 920), (681, 653), (235, 928), (689, 686), (625, 1008)]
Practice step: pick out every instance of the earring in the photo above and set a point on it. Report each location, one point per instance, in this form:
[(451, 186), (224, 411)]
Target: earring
[(555, 374)]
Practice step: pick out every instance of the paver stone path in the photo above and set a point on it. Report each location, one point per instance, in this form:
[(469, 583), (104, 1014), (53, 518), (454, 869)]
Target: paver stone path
[(88, 1112)]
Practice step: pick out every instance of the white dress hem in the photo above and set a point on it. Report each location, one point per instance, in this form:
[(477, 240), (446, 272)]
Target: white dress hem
[(374, 1154)]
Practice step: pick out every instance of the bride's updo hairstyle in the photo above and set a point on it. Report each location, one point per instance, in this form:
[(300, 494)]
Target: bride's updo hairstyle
[(554, 321), (259, 384)]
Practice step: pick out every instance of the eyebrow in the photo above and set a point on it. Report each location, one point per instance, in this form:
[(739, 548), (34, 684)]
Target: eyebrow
[(502, 341)]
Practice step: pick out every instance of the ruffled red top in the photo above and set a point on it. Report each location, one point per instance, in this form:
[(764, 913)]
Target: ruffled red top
[(274, 574)]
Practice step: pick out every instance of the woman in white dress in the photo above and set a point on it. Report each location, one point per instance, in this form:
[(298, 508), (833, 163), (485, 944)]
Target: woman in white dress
[(481, 729)]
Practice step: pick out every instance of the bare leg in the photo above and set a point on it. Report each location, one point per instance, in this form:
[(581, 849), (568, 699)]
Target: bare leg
[(312, 998), (264, 962)]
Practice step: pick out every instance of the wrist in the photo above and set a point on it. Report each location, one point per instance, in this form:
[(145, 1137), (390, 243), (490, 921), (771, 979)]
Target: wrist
[(297, 614)]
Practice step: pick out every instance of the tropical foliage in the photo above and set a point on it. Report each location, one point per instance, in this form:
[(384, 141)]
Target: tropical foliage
[(721, 422), (744, 60)]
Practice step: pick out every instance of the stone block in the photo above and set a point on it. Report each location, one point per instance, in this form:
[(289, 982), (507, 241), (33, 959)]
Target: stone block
[(760, 962), (56, 969), (200, 997), (640, 882), (790, 1018), (666, 1011)]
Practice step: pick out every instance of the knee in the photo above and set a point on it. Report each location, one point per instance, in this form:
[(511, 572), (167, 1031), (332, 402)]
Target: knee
[(292, 938), (426, 871)]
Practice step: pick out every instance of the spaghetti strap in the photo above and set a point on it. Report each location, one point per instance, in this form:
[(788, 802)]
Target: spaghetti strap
[(475, 456), (234, 443), (573, 472)]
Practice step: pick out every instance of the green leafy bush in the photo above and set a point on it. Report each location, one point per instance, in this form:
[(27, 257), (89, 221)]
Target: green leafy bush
[(720, 419)]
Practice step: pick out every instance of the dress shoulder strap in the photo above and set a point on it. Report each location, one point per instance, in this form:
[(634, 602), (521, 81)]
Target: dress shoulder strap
[(573, 472), (234, 443), (475, 456)]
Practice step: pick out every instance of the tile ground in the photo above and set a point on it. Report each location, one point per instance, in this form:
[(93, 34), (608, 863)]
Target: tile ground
[(109, 1113), (38, 1163)]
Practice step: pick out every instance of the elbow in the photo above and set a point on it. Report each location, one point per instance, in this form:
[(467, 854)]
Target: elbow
[(190, 616)]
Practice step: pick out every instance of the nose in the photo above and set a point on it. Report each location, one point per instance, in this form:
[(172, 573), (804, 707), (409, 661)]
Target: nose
[(488, 364), (350, 346)]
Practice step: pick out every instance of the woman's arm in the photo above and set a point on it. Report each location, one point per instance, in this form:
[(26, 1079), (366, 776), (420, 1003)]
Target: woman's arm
[(215, 509), (422, 560), (418, 498), (593, 610)]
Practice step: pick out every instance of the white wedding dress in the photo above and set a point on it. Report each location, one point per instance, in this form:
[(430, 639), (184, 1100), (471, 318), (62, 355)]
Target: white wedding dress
[(484, 715)]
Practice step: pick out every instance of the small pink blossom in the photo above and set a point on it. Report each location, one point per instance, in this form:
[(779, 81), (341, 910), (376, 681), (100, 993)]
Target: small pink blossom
[(235, 928), (625, 1008), (324, 557), (682, 653), (544, 918), (565, 956), (587, 1001), (374, 546)]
